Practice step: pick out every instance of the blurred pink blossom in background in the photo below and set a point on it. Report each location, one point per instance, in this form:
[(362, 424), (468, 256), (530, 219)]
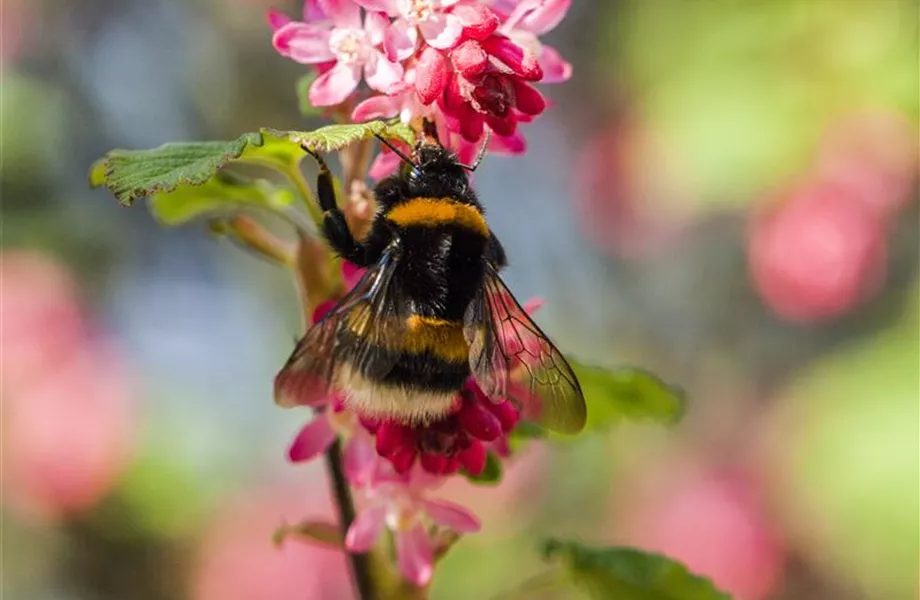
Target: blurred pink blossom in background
[(239, 561), (817, 254), (819, 250), (712, 522), (67, 398)]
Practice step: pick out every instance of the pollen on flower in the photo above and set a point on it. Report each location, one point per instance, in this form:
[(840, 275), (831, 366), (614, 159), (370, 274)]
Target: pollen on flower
[(420, 10), (349, 45)]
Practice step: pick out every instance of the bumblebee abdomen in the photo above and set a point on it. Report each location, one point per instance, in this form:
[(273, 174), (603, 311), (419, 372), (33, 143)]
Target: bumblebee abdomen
[(411, 370)]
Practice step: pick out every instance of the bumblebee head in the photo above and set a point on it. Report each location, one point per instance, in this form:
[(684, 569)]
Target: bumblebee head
[(433, 169)]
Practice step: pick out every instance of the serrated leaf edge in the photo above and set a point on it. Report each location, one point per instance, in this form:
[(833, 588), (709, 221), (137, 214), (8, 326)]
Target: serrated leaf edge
[(127, 198)]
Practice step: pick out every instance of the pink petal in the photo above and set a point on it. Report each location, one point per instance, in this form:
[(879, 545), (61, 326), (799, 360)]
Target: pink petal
[(527, 99), (469, 58), (479, 422), (376, 107), (334, 86), (441, 31), (376, 24), (351, 273), (534, 304), (343, 13), (555, 68), (358, 459), (505, 412), (394, 437), (537, 16), (545, 16), (390, 7), (503, 126), (452, 102), (473, 458), (384, 165), (515, 57), (435, 464), (471, 125), (312, 440), (431, 75), (307, 44), (365, 529), (448, 514), (277, 19), (381, 74), (401, 39), (402, 460), (322, 309), (466, 152), (414, 555), (312, 12), (478, 21)]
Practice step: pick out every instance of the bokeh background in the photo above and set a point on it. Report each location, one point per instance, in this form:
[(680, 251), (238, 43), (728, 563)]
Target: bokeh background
[(725, 193)]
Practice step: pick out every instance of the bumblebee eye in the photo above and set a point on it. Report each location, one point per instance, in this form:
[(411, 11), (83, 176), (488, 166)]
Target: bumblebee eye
[(415, 174)]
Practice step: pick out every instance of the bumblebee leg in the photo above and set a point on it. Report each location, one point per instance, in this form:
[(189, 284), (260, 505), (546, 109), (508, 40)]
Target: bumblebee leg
[(335, 228), (495, 252)]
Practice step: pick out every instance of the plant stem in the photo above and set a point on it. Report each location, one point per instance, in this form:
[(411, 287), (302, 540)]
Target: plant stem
[(360, 563)]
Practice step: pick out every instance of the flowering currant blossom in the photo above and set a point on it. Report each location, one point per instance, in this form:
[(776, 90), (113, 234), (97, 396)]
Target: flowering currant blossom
[(467, 64), (439, 28), (342, 40), (454, 442), (398, 502), (524, 20)]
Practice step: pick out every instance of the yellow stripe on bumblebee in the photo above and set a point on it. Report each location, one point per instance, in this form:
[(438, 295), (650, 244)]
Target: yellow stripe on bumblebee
[(432, 212), (416, 335)]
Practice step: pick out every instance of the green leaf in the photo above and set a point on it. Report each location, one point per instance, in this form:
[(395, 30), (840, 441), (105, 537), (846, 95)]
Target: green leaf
[(222, 193), (525, 432), (315, 532), (627, 393), (629, 574), (335, 137), (303, 94), (277, 151), (132, 174), (491, 475)]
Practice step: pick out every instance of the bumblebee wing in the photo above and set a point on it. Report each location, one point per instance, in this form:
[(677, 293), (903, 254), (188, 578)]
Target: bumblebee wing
[(511, 357), (358, 331)]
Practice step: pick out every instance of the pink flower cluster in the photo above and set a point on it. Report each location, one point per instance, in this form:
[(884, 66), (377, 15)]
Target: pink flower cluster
[(467, 64)]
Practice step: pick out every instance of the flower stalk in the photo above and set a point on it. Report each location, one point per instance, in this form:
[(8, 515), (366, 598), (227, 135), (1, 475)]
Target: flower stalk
[(360, 565)]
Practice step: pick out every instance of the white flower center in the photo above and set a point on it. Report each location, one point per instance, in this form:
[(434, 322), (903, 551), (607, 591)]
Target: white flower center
[(349, 45), (418, 10), (401, 517)]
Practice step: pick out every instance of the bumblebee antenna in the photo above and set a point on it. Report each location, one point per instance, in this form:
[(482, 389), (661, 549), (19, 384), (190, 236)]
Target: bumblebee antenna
[(395, 150), (481, 154)]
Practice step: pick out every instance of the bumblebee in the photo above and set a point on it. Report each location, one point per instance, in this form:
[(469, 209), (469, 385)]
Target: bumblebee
[(431, 309)]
